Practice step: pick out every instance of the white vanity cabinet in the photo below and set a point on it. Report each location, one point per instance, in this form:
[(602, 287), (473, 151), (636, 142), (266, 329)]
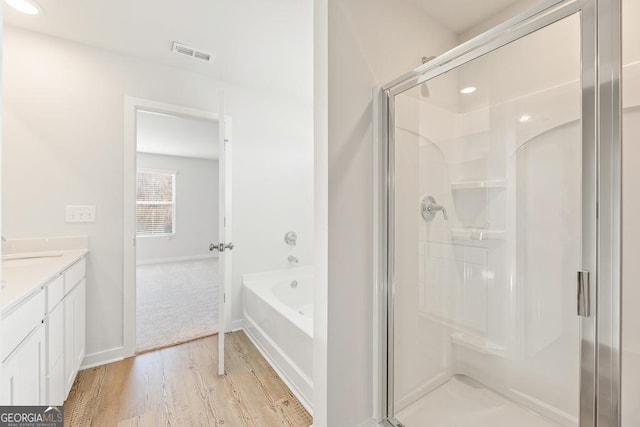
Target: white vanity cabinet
[(43, 339)]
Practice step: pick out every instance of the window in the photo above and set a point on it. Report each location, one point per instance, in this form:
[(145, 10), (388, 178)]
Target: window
[(155, 202)]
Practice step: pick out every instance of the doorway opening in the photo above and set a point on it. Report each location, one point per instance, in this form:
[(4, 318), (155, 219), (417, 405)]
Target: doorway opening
[(174, 287), (176, 219)]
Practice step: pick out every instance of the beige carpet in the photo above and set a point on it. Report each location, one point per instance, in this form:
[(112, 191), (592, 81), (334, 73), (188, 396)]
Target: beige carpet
[(176, 302)]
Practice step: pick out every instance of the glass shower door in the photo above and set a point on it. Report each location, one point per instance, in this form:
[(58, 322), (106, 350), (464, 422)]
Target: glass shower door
[(489, 224)]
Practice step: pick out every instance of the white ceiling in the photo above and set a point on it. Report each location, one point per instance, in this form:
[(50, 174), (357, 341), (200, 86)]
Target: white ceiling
[(171, 135), (462, 15), (257, 43)]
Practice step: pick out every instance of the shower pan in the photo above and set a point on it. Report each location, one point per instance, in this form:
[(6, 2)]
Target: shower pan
[(500, 286)]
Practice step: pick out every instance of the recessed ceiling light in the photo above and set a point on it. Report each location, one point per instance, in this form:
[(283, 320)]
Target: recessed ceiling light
[(24, 6), (524, 118), (468, 90)]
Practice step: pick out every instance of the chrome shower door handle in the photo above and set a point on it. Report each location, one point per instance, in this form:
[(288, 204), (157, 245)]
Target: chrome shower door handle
[(584, 294)]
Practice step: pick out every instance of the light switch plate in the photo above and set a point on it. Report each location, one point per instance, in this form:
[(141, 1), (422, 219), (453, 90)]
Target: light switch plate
[(75, 213)]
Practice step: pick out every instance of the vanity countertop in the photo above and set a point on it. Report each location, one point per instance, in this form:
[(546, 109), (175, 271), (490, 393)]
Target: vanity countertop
[(24, 274)]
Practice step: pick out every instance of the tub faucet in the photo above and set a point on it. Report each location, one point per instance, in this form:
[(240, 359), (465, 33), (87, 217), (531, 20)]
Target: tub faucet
[(293, 259)]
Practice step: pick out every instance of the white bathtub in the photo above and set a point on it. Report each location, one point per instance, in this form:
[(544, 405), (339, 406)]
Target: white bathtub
[(278, 317)]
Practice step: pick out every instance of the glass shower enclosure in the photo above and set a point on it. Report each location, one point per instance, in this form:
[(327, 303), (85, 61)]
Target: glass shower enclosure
[(492, 232)]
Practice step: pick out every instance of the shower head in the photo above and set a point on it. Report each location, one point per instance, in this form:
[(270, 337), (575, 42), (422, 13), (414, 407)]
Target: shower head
[(424, 89)]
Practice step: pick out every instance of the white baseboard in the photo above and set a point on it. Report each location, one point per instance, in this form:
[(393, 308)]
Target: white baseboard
[(236, 325), (102, 358), (176, 259)]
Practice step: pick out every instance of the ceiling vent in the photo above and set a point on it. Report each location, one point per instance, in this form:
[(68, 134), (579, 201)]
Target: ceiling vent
[(192, 52)]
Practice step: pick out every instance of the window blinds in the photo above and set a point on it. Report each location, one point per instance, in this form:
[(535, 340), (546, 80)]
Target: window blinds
[(155, 202)]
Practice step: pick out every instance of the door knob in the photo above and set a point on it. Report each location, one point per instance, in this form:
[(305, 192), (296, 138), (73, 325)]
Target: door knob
[(220, 247)]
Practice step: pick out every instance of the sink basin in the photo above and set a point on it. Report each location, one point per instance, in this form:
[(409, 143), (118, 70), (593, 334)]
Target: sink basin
[(29, 260)]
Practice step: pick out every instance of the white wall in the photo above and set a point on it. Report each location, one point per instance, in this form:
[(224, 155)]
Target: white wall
[(196, 209), (63, 144), (370, 43)]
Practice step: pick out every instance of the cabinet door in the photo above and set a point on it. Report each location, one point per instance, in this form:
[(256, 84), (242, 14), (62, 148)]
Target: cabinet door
[(22, 379), (69, 339), (55, 356), (74, 332), (79, 329)]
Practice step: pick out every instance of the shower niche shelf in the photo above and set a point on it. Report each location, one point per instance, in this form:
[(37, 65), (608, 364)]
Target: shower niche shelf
[(477, 234), (479, 184), (477, 344)]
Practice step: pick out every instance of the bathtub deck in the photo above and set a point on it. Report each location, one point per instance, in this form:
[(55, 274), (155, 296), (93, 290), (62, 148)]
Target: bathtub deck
[(179, 386)]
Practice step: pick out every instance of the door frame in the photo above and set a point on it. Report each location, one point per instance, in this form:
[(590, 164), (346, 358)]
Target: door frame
[(600, 334), (131, 107)]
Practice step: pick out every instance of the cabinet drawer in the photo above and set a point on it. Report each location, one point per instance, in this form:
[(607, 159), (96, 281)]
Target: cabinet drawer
[(74, 274), (55, 292), (17, 325)]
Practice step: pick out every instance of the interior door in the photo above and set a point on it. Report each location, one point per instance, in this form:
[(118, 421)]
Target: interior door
[(225, 244), (491, 205)]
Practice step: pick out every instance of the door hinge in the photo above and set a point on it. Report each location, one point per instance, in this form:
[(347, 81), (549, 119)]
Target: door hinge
[(584, 294), (224, 298), (134, 242)]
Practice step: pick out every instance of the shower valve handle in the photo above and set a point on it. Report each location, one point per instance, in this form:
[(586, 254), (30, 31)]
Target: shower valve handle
[(429, 207)]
